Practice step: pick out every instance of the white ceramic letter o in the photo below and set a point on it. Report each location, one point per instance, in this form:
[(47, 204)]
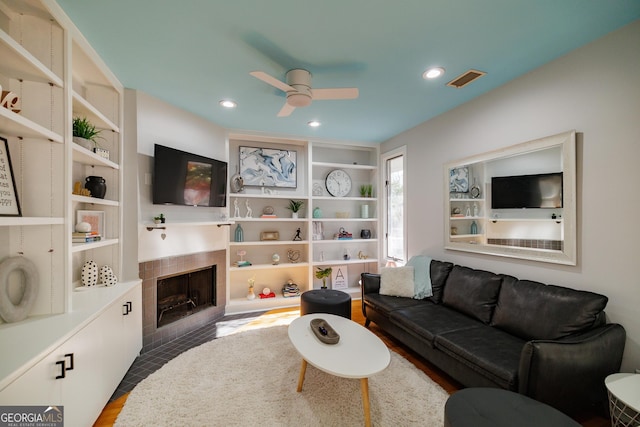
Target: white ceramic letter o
[(9, 311)]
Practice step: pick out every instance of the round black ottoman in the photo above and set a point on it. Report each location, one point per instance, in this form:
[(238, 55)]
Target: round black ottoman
[(326, 301), (494, 407)]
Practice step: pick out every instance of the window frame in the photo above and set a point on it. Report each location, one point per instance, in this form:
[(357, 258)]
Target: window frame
[(384, 159)]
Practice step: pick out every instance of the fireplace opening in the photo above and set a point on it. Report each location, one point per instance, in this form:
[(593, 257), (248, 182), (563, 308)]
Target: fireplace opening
[(185, 294)]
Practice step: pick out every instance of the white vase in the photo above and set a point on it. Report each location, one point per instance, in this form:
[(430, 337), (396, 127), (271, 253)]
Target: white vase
[(294, 215), (364, 211)]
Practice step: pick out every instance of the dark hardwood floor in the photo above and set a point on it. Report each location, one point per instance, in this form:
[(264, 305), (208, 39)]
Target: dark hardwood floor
[(111, 411)]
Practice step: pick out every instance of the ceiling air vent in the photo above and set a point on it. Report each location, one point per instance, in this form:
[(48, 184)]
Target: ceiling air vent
[(466, 78)]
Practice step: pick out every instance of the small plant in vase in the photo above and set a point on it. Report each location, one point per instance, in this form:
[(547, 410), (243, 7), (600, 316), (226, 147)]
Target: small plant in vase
[(363, 191), (85, 133), (369, 190), (159, 219), (295, 206), (323, 273)]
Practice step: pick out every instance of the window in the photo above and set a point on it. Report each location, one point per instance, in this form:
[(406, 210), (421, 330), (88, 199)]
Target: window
[(395, 242)]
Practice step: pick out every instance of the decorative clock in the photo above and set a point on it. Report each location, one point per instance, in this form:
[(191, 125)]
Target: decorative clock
[(338, 183)]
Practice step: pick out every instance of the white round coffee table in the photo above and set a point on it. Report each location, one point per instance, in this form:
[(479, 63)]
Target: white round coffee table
[(624, 398), (358, 354)]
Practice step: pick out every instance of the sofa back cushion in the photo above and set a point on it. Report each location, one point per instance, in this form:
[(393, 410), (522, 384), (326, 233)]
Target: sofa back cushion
[(439, 272), (472, 292), (534, 311)]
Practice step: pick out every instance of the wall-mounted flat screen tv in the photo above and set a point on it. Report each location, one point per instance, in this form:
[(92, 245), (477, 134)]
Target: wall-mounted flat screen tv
[(527, 191), (182, 178)]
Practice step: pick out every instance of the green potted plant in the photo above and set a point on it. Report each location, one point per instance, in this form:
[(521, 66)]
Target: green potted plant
[(85, 133), (295, 206), (323, 273), (363, 191), (369, 190), (159, 219)]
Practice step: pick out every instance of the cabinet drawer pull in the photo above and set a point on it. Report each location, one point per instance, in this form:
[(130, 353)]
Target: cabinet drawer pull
[(70, 356), (130, 306), (62, 369)]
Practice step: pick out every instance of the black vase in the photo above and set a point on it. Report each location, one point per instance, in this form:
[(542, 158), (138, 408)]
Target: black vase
[(97, 185), (365, 234)]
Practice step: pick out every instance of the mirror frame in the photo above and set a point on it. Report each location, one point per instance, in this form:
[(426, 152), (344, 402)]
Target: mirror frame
[(568, 255)]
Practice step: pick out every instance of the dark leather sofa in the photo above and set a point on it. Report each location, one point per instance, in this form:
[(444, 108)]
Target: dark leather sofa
[(547, 342)]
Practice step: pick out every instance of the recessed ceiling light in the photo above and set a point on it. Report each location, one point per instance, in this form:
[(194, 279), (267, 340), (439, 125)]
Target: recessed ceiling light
[(433, 73), (314, 123), (227, 103)]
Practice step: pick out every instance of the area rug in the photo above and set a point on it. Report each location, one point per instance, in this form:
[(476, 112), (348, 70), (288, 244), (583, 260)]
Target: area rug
[(250, 379)]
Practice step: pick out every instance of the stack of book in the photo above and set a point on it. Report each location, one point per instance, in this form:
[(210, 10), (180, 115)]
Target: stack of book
[(91, 236), (241, 264), (268, 216), (290, 290)]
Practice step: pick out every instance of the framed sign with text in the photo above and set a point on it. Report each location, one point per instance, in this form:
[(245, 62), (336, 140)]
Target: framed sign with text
[(9, 205)]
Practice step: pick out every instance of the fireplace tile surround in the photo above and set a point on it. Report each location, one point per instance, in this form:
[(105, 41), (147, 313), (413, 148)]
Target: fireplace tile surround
[(150, 271)]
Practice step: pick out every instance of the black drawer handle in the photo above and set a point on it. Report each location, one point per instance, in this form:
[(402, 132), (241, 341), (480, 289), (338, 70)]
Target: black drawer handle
[(125, 309), (70, 356), (62, 369), (130, 306)]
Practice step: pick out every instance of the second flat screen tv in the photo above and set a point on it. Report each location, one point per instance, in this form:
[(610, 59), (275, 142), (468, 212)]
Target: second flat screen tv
[(182, 178), (527, 191)]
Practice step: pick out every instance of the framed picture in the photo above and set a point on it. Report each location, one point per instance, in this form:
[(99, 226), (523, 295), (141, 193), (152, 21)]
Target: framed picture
[(339, 277), (268, 167), (9, 204), (95, 218), (459, 180)]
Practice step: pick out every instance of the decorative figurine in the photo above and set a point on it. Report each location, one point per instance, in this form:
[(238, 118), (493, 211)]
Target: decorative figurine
[(297, 237), (249, 211), (275, 258), (236, 209)]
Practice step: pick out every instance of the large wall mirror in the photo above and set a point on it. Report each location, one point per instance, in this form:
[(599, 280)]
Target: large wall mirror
[(517, 202)]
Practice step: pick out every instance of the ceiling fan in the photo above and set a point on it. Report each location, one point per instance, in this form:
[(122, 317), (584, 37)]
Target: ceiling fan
[(299, 91)]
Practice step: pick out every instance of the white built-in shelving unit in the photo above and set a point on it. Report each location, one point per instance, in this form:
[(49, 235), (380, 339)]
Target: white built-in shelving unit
[(315, 161), (56, 74)]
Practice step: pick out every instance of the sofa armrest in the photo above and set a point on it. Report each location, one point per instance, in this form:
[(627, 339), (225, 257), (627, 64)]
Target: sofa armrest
[(370, 283), (569, 373)]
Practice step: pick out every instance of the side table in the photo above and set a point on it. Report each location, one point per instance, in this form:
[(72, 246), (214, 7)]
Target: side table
[(624, 399)]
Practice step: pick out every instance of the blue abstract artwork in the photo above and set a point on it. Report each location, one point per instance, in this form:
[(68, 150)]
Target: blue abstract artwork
[(268, 167), (459, 180)]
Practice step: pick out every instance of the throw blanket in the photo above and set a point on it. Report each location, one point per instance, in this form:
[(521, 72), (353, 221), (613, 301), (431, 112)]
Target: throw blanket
[(421, 276)]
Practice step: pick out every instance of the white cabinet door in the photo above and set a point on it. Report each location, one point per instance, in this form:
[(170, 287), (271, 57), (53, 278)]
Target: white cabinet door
[(38, 386)]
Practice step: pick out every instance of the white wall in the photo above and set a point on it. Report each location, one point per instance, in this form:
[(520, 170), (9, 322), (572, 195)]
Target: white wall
[(153, 121), (593, 90)]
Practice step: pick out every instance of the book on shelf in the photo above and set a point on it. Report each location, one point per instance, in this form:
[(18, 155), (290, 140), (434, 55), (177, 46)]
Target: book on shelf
[(268, 216), (87, 239), (241, 264), (87, 234)]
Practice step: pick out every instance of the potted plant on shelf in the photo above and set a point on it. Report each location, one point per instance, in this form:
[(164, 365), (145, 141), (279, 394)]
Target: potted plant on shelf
[(85, 133), (363, 191), (159, 219), (323, 273), (295, 206)]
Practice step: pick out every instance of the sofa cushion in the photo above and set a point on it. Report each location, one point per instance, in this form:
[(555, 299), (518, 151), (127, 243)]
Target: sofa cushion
[(386, 304), (428, 320), (489, 351), (472, 292), (397, 281), (439, 272), (533, 310)]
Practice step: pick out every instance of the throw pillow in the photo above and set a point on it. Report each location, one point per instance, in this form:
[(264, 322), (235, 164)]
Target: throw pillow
[(397, 281), (422, 276)]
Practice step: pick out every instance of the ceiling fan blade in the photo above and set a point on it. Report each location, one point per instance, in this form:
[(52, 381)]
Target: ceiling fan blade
[(286, 110), (335, 93), (261, 75)]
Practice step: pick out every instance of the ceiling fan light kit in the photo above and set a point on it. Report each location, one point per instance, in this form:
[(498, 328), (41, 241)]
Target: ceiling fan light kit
[(299, 91)]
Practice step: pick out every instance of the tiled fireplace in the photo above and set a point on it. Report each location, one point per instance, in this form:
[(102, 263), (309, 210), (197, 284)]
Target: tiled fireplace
[(192, 290)]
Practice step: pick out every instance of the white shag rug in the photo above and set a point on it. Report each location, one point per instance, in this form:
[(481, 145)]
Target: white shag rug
[(250, 379)]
